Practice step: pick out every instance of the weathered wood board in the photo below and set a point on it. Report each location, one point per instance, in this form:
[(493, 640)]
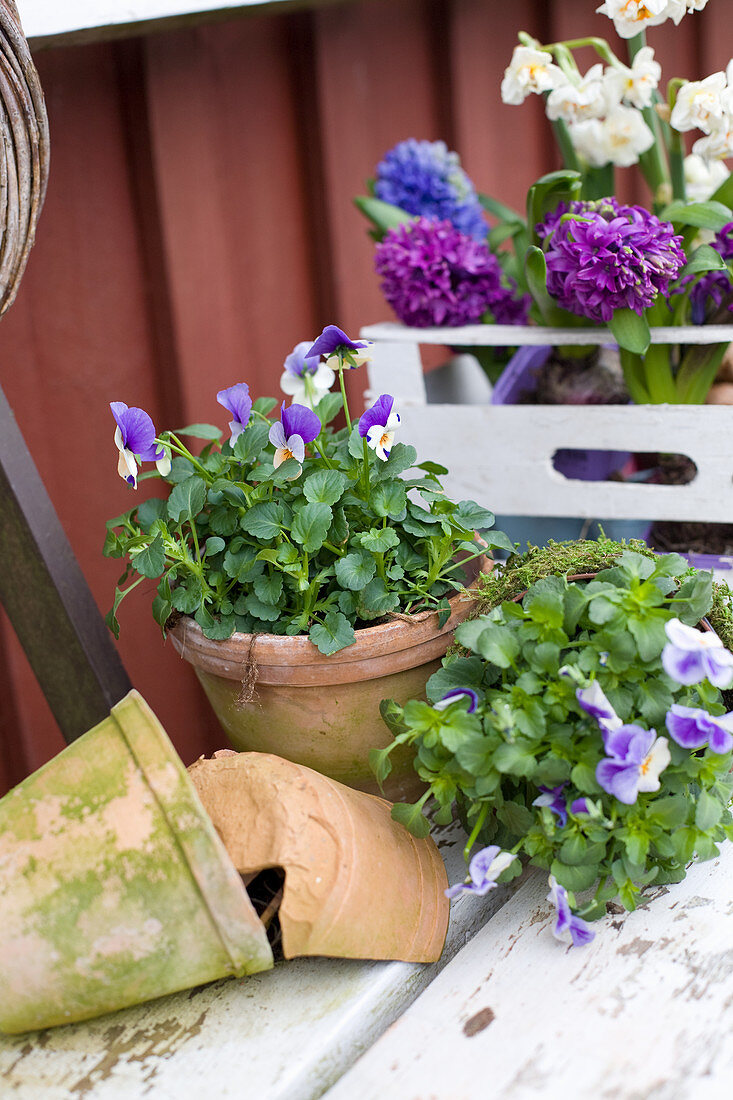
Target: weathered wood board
[(646, 1010), (287, 1034)]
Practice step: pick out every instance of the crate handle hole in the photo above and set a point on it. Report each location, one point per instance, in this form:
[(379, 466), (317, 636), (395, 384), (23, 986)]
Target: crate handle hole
[(641, 467)]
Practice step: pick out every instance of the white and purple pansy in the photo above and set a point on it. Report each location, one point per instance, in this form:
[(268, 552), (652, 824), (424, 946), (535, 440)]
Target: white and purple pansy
[(458, 693), (378, 424), (635, 759), (566, 923), (691, 656), (692, 728), (305, 379), (297, 426), (483, 871), (135, 439), (237, 401), (552, 797), (594, 702), (340, 351)]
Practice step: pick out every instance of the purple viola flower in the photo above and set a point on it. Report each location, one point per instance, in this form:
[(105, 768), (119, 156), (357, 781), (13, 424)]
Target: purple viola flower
[(237, 401), (635, 759), (305, 380), (580, 806), (424, 178), (714, 287), (377, 425), (594, 702), (692, 728), (458, 693), (567, 923), (432, 274), (296, 427), (607, 256), (691, 656), (552, 798), (483, 870), (135, 439), (340, 351)]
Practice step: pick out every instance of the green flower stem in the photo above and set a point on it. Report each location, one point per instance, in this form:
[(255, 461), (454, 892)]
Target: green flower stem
[(600, 45), (183, 451), (460, 564), (343, 390), (192, 525), (658, 375), (334, 549), (654, 162), (599, 182), (565, 145), (698, 371), (475, 831), (365, 469), (633, 368)]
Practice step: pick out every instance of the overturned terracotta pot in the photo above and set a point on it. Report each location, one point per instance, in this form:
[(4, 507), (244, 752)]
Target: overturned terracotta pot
[(357, 884), (324, 711), (114, 886)]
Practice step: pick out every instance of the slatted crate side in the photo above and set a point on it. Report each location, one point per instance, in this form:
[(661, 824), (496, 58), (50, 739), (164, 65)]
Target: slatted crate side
[(502, 455)]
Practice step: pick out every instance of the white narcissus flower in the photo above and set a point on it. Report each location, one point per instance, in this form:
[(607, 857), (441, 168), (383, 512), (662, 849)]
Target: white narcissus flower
[(632, 16), (575, 102), (700, 105), (619, 139), (635, 85), (529, 71), (718, 145), (703, 177)]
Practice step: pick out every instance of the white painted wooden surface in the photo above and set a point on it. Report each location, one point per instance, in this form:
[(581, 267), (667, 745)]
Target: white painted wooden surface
[(509, 336), (643, 1013), (44, 18), (287, 1034), (501, 455)]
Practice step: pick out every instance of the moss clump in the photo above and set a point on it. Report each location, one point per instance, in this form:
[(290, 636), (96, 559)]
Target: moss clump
[(557, 559)]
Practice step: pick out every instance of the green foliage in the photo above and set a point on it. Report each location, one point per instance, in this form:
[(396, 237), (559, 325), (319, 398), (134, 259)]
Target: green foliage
[(319, 548), (534, 643)]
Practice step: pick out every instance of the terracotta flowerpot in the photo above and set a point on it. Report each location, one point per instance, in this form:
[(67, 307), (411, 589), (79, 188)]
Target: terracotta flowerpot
[(357, 884), (114, 886), (324, 711)]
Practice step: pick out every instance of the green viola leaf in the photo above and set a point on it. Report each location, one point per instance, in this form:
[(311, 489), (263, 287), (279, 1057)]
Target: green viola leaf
[(264, 405), (187, 499), (472, 516), (517, 818), (219, 628), (150, 511), (574, 878), (251, 442), (214, 545), (402, 457), (268, 612), (462, 672), (162, 608), (380, 763), (709, 811), (310, 526), (200, 431), (186, 597), (497, 644), (412, 818), (333, 634), (264, 521), (545, 602), (379, 540), (325, 486), (375, 600), (329, 407), (234, 494), (631, 331), (356, 570), (516, 759), (388, 499), (268, 588), (669, 812), (150, 562), (649, 636), (697, 591)]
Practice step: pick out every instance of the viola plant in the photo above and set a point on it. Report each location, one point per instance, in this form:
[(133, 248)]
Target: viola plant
[(579, 257), (291, 525), (583, 727)]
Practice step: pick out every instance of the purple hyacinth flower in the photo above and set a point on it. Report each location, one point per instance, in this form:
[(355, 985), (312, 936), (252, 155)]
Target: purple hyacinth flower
[(691, 656), (635, 759), (135, 439), (483, 870), (607, 256), (594, 702), (692, 728), (710, 291), (458, 693), (553, 799), (334, 343), (237, 401), (567, 923), (296, 427), (432, 274), (377, 425)]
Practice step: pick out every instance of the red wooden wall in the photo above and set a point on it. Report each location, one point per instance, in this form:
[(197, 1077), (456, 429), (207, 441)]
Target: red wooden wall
[(199, 223)]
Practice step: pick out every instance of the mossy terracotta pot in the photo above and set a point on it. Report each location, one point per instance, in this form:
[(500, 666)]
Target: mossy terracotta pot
[(357, 884), (320, 711), (114, 885)]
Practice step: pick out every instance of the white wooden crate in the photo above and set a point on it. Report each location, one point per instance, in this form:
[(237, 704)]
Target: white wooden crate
[(501, 455)]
